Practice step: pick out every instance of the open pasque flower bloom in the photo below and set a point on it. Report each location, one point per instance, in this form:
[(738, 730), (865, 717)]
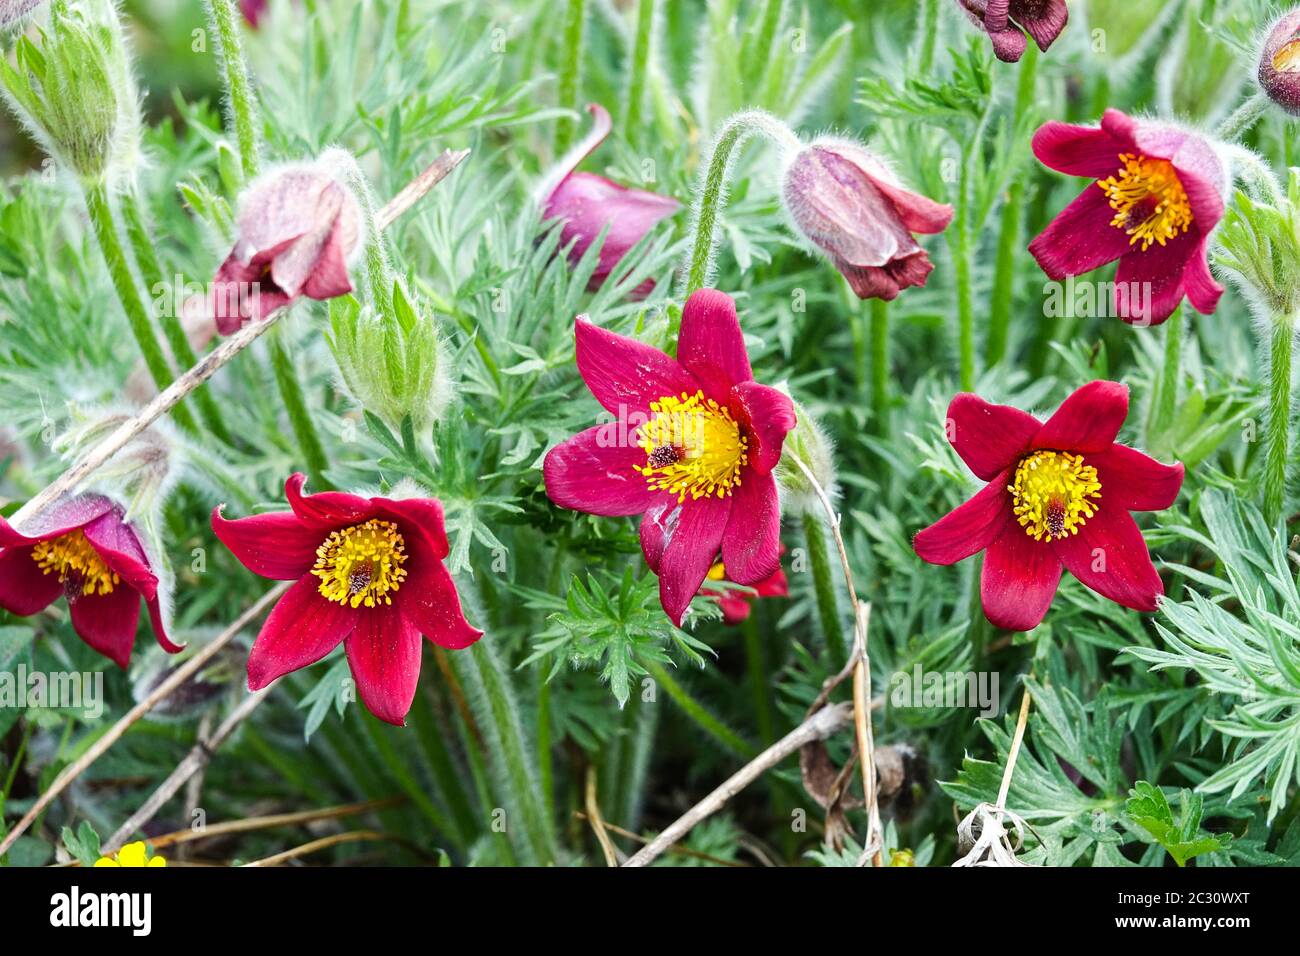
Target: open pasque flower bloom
[(1059, 495), (1007, 21), (82, 549), (692, 449), (369, 575), (298, 226), (847, 202), (1279, 63), (133, 854), (735, 603), (588, 203), (1159, 194)]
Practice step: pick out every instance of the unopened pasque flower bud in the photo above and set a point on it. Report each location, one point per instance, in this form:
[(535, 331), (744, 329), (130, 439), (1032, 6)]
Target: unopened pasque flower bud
[(392, 361), (848, 203), (811, 445), (73, 88), (298, 226), (1279, 63)]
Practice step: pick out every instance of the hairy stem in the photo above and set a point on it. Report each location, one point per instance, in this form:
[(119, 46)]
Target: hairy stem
[(639, 69), (828, 611), (570, 58), (927, 35), (295, 406), (1164, 404), (1243, 117), (880, 364), (1279, 417), (239, 92), (700, 714)]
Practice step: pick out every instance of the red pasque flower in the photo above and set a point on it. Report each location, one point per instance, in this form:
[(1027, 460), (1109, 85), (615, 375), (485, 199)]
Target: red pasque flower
[(369, 575), (1004, 21), (588, 203), (1059, 494), (735, 603), (848, 203), (81, 548), (692, 449), (1159, 194), (297, 227)]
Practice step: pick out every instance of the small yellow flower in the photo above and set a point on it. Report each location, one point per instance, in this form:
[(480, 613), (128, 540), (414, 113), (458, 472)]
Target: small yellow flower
[(133, 854)]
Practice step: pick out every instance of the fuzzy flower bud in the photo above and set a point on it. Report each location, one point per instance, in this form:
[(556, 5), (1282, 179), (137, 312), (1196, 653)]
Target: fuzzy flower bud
[(13, 11), (73, 89), (1007, 21), (393, 362), (848, 203), (1279, 63), (811, 445)]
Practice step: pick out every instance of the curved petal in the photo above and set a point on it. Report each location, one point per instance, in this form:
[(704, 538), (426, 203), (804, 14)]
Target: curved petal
[(970, 527), (1088, 421), (276, 545), (689, 553), (887, 281), (1077, 150), (591, 204), (325, 510), (424, 515), (1149, 284), (1080, 238), (1019, 580), (154, 608), (988, 437), (751, 543), (384, 654), (67, 514), (1135, 482), (626, 375), (711, 346), (595, 472), (429, 600), (1110, 556), (657, 528), (107, 622), (116, 542), (600, 127), (918, 213), (1045, 21), (301, 629), (1202, 289), (770, 416), (25, 589)]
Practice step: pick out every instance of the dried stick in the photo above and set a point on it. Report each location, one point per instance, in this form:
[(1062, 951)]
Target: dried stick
[(1021, 721), (597, 821), (675, 848), (275, 820), (322, 844), (817, 727), (159, 694), (210, 363)]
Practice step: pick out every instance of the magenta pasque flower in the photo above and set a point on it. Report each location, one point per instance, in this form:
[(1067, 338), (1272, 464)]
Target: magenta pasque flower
[(297, 226), (588, 203), (1007, 21), (253, 11), (369, 575), (1059, 495), (692, 449), (1279, 63), (82, 548), (1159, 194), (848, 203)]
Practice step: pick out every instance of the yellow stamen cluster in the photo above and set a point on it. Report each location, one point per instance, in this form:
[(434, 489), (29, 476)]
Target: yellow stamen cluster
[(361, 564), (1149, 200), (693, 447), (77, 563), (718, 572), (1055, 493)]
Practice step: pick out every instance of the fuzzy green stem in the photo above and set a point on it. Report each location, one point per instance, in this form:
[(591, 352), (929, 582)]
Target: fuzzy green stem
[(1279, 418), (146, 258), (1243, 117), (570, 60), (295, 405), (928, 35), (756, 664), (697, 712), (239, 92), (880, 364), (100, 208), (819, 562), (1164, 405), (965, 305), (639, 69)]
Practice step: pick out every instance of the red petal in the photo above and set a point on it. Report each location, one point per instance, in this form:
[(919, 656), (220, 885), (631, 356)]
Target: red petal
[(657, 528), (301, 629), (689, 553), (429, 601), (1110, 556), (594, 472), (775, 586), (751, 543), (24, 588), (116, 542), (1088, 421), (107, 622), (1202, 290), (1047, 25), (968, 528), (421, 515), (1149, 285), (1081, 237), (770, 416), (1135, 482), (67, 514), (626, 375), (1019, 580), (988, 437), (1078, 150), (159, 631), (326, 510), (384, 654), (276, 545), (711, 345)]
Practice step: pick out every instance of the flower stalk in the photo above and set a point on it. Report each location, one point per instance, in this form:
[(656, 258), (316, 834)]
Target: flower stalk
[(575, 15), (639, 69), (239, 92), (1279, 419), (828, 611)]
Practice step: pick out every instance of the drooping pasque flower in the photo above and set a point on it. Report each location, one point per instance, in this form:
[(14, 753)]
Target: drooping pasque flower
[(297, 228), (588, 203), (1159, 194), (369, 575), (1059, 495), (735, 603), (1007, 21), (846, 201), (83, 549), (133, 854), (1279, 63), (692, 449)]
